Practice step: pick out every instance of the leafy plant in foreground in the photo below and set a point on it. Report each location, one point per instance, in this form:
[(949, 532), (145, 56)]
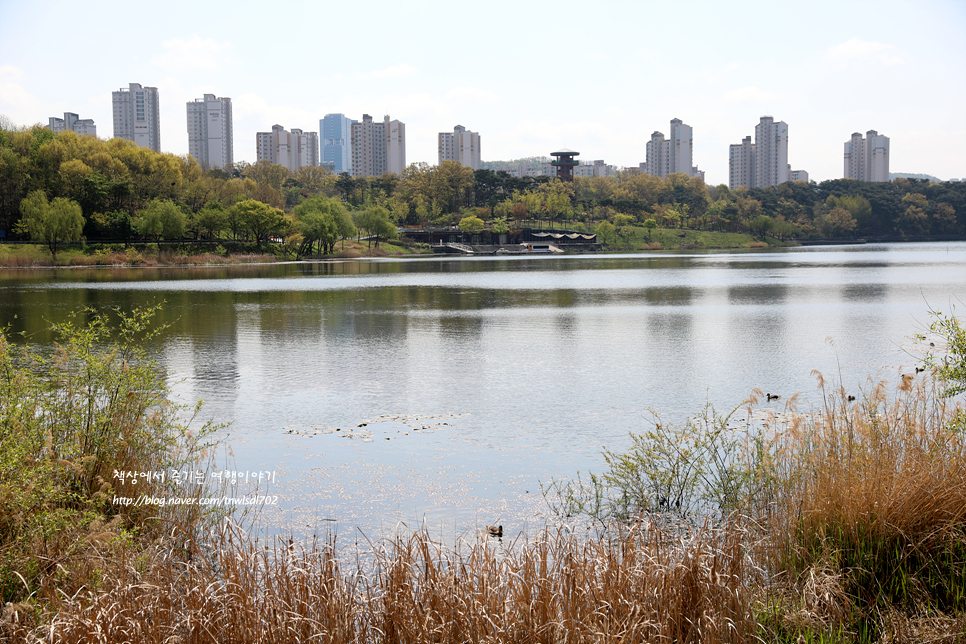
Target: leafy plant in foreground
[(70, 420)]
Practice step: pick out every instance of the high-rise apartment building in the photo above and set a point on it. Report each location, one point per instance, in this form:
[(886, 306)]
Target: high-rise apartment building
[(291, 149), (136, 116), (671, 155), (395, 145), (867, 159), (764, 163), (73, 123), (741, 164), (657, 161), (368, 148), (680, 147), (461, 146), (210, 131), (771, 152), (336, 139), (378, 148)]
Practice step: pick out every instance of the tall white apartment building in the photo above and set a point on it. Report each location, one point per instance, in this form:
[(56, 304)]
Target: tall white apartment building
[(764, 163), (136, 116), (867, 159), (72, 122), (771, 152), (671, 155), (395, 145), (210, 131), (680, 146), (378, 148), (335, 137), (291, 149), (741, 164), (368, 148), (657, 160), (461, 146)]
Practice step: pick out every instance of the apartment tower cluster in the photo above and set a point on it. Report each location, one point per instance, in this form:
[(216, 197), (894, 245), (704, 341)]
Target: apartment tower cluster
[(372, 148), (292, 149), (377, 147), (671, 155), (867, 159), (764, 162)]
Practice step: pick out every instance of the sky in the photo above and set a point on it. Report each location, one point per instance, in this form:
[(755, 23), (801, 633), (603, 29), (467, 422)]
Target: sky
[(530, 76)]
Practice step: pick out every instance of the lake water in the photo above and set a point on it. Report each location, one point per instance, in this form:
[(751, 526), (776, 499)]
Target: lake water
[(476, 379)]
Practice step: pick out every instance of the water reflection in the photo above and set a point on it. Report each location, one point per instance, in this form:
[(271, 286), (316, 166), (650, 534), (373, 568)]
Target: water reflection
[(543, 360)]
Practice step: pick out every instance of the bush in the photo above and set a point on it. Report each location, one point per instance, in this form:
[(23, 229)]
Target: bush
[(70, 422)]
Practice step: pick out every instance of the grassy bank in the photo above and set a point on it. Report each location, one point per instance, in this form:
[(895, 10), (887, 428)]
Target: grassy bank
[(845, 523), (640, 238), (37, 256)]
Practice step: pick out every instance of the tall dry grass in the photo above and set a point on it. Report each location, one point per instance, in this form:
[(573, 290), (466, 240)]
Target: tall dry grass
[(867, 511), (637, 586)]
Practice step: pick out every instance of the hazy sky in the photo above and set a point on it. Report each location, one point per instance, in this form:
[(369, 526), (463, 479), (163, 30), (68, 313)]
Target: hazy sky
[(530, 76)]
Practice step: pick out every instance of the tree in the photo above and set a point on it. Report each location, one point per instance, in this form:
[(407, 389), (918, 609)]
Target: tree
[(162, 219), (499, 225), (52, 223), (317, 225), (472, 225), (606, 233), (121, 225), (317, 221), (374, 223), (268, 173), (650, 225), (258, 219), (556, 198), (840, 222), (762, 224), (345, 184), (211, 219)]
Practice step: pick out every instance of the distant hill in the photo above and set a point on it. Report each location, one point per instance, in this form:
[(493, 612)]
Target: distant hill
[(910, 175)]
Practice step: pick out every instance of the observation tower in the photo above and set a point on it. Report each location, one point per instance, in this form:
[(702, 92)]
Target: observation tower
[(565, 163)]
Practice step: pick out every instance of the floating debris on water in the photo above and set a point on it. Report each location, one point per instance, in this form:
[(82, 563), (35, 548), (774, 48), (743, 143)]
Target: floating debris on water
[(412, 422)]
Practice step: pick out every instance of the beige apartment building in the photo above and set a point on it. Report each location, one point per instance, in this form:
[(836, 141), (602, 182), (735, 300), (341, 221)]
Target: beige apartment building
[(867, 159)]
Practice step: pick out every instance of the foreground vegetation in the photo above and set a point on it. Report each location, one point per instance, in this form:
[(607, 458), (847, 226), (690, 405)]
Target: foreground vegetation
[(841, 524)]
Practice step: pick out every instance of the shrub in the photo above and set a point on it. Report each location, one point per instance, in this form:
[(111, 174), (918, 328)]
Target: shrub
[(70, 421)]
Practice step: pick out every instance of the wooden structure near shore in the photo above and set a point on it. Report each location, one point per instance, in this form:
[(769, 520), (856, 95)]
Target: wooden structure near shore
[(453, 237)]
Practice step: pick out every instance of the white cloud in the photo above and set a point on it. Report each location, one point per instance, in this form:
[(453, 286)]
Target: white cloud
[(748, 94), (864, 50), (16, 103), (193, 54), (396, 71), (473, 95)]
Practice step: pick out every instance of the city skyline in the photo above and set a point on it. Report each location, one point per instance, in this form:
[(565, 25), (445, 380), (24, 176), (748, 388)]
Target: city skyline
[(736, 67)]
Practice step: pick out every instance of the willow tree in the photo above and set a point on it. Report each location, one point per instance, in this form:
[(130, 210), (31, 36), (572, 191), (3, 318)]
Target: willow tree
[(53, 223)]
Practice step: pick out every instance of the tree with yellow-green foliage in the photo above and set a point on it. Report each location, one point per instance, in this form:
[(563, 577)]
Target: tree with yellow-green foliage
[(258, 219), (52, 222), (161, 219)]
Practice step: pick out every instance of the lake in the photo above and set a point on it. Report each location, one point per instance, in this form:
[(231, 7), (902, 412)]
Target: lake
[(441, 391)]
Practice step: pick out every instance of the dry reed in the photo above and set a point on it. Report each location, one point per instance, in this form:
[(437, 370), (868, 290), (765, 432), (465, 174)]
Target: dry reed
[(638, 586)]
